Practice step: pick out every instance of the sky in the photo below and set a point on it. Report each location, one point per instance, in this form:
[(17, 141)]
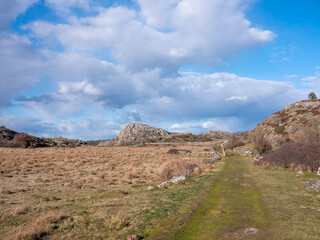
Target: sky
[(85, 68)]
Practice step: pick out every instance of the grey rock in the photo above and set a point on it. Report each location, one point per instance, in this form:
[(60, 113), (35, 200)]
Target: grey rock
[(318, 173), (300, 172), (251, 231), (166, 183), (150, 188), (135, 133), (177, 179), (312, 186)]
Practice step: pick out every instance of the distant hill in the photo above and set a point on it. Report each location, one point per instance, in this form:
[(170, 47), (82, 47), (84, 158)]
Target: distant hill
[(298, 122), (10, 138)]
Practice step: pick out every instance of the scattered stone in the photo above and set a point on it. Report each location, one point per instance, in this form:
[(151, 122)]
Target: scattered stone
[(318, 173), (177, 179), (215, 158), (134, 237), (251, 231), (312, 186), (179, 151), (300, 173), (150, 188), (163, 184)]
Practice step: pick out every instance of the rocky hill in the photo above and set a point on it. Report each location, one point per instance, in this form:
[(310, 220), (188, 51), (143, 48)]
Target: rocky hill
[(135, 133), (298, 122), (6, 134), (217, 135)]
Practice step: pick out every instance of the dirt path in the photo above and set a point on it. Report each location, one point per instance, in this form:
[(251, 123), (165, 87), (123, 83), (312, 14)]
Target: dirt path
[(232, 205)]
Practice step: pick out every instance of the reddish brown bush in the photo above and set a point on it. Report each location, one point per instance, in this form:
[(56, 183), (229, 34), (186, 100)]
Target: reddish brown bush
[(20, 140), (261, 144), (297, 156), (233, 143), (176, 168)]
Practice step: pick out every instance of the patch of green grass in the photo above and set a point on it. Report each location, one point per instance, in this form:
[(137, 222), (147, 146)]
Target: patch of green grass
[(230, 206)]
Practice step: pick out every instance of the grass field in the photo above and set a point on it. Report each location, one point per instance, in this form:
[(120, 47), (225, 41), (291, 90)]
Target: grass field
[(89, 192), (101, 193)]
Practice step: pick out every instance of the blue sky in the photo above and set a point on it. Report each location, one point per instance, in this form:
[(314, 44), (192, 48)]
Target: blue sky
[(85, 68)]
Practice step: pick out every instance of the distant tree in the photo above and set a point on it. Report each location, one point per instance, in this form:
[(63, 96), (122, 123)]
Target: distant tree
[(312, 96)]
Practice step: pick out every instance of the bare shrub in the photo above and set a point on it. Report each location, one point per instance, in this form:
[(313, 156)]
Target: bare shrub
[(233, 143), (297, 156), (20, 140), (261, 144), (176, 168)]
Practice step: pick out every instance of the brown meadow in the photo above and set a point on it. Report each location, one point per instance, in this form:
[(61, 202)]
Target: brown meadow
[(85, 191)]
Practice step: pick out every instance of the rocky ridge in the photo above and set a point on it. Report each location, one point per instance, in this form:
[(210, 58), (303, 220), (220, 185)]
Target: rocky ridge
[(135, 133), (298, 122)]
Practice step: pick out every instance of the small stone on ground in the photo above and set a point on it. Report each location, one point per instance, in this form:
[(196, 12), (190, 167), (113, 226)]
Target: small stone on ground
[(251, 231)]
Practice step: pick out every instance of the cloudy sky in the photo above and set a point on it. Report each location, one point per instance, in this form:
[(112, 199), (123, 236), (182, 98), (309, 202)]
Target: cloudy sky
[(86, 68)]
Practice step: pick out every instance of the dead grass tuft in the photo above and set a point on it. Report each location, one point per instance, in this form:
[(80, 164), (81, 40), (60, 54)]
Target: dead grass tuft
[(176, 168)]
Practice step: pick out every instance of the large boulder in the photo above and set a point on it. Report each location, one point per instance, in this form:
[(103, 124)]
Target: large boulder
[(135, 133), (298, 122)]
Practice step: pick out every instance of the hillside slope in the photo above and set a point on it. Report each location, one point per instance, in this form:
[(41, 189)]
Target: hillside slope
[(298, 122)]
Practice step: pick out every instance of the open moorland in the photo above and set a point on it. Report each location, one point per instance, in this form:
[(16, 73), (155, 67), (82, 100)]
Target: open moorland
[(93, 192)]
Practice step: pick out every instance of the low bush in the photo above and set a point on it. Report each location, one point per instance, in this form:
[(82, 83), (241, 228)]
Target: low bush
[(233, 143), (20, 140), (296, 156), (261, 144), (279, 129), (176, 168)]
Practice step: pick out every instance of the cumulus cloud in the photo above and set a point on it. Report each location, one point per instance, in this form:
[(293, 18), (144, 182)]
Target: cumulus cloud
[(92, 128), (128, 60), (200, 32), (20, 66), (229, 124), (10, 9), (63, 6), (312, 81)]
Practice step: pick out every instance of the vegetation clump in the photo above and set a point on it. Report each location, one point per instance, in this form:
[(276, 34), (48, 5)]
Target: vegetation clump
[(234, 142), (297, 156), (312, 96), (279, 129), (261, 144)]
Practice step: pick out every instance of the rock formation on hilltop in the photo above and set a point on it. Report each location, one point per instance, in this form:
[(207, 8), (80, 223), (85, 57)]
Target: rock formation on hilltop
[(135, 133), (6, 134), (298, 122)]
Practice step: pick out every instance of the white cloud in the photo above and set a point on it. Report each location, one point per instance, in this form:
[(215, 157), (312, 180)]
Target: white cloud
[(291, 76), (140, 45), (229, 124), (64, 6), (92, 128), (309, 78), (10, 9), (312, 82), (237, 98), (20, 66)]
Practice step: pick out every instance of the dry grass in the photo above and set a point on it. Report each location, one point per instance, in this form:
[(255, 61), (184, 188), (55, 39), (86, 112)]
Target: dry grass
[(103, 189)]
